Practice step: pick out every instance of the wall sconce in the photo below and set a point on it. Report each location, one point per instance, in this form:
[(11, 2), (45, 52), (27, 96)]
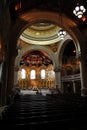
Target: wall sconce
[(79, 10)]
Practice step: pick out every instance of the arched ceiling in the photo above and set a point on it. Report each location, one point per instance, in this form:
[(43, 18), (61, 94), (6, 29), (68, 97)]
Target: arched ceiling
[(18, 7), (41, 33)]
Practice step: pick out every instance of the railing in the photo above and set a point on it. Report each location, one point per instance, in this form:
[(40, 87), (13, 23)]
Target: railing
[(74, 77)]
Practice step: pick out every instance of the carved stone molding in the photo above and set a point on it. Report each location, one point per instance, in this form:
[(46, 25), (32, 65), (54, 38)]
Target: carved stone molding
[(16, 68)]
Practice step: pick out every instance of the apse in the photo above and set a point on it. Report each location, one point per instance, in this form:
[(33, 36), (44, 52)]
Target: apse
[(35, 58)]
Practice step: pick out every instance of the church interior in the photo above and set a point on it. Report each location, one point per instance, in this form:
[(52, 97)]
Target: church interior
[(43, 64)]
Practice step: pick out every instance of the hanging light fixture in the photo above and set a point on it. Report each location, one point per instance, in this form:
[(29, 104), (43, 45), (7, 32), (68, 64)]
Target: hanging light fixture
[(79, 10), (61, 32), (19, 45)]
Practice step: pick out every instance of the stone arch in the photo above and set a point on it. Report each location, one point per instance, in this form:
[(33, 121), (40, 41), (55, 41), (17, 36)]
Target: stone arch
[(62, 47), (68, 24), (69, 69), (33, 47), (28, 18)]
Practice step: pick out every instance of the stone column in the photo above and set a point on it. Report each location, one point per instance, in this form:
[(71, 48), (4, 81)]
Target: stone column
[(58, 78), (4, 42), (78, 55), (83, 66), (16, 68), (74, 87)]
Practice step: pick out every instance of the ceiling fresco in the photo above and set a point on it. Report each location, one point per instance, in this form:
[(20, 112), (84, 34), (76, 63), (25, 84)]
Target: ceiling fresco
[(41, 33)]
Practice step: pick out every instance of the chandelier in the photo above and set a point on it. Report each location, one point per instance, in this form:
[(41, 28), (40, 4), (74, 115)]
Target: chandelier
[(79, 11), (61, 34)]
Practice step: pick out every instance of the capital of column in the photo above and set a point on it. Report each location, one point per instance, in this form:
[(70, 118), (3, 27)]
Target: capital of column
[(58, 69)]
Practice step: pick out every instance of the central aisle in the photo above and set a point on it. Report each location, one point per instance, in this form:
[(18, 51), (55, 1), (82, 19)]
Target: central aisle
[(38, 112)]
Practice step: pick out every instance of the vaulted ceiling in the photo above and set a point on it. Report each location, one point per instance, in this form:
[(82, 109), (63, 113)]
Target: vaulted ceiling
[(66, 7), (41, 33), (44, 31)]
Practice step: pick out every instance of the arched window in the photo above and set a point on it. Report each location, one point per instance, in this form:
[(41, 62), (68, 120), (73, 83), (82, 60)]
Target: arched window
[(43, 74), (23, 73), (33, 74)]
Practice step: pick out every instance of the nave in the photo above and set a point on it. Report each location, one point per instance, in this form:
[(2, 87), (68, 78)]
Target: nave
[(38, 112)]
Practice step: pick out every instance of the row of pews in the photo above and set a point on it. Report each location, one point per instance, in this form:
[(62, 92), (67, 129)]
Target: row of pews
[(38, 112)]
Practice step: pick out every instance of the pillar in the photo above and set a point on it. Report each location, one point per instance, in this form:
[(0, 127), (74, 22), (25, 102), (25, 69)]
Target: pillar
[(58, 78), (83, 70), (74, 87), (16, 68), (4, 45)]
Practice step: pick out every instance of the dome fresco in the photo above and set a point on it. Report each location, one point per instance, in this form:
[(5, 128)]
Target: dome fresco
[(41, 33)]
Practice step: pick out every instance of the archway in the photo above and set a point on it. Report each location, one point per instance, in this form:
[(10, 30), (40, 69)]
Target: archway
[(70, 67), (52, 17), (33, 63)]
